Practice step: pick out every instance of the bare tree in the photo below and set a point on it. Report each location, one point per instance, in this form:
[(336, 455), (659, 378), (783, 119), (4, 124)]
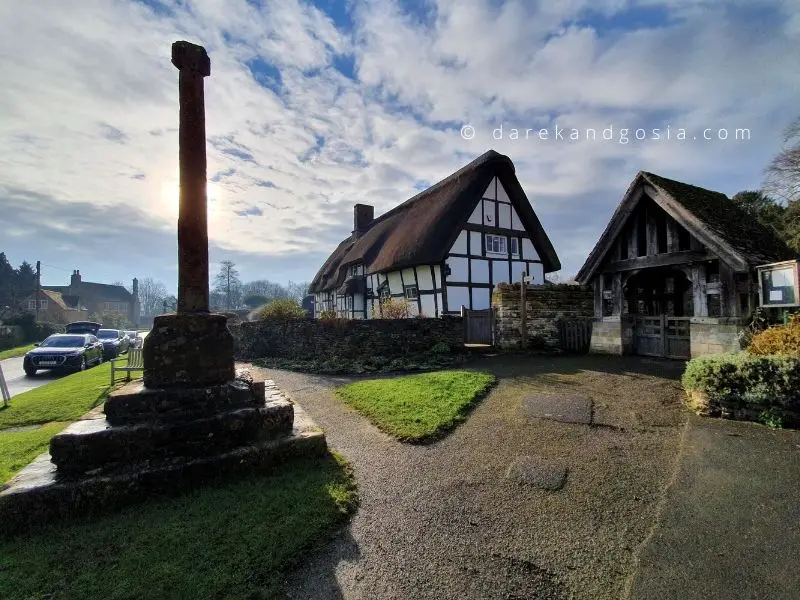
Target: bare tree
[(227, 282), (297, 291), (151, 296), (783, 173)]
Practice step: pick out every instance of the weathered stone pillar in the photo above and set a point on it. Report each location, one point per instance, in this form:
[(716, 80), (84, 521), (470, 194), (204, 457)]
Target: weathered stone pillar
[(193, 347), (193, 64)]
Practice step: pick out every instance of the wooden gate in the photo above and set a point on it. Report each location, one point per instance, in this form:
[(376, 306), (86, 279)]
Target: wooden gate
[(478, 326), (576, 335), (662, 336)]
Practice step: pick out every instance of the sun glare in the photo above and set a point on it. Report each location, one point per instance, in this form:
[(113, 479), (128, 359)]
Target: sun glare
[(170, 194)]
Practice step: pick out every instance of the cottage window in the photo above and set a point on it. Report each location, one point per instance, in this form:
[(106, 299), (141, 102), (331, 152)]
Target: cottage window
[(514, 246), (384, 292), (31, 304), (43, 303), (412, 293), (496, 244)]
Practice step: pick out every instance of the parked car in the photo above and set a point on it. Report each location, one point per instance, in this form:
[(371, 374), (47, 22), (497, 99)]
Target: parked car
[(135, 339), (83, 327), (64, 351), (115, 342)]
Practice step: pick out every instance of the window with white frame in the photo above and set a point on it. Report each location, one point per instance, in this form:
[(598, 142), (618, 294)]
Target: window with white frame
[(355, 270), (31, 304), (412, 293), (496, 244), (43, 303)]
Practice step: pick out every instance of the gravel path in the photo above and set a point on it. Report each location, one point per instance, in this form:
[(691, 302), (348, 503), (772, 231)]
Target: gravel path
[(442, 521)]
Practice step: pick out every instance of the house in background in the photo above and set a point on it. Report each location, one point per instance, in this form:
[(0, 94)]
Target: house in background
[(674, 272), (55, 307), (99, 298), (444, 248)]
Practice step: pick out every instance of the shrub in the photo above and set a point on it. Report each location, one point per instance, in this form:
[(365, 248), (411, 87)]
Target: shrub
[(779, 339), (327, 315), (282, 310), (31, 330), (441, 348), (394, 308), (763, 380)]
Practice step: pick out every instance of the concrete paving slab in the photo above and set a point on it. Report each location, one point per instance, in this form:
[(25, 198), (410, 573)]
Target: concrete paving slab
[(564, 409)]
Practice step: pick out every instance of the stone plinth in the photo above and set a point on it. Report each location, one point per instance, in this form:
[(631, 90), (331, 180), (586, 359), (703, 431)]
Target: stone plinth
[(188, 350), (92, 444), (134, 403)]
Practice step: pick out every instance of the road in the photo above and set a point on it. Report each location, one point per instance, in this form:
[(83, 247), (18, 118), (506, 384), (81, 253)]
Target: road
[(16, 380), (18, 383)]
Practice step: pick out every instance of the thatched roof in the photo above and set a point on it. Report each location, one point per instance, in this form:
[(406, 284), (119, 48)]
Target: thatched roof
[(711, 217), (422, 229)]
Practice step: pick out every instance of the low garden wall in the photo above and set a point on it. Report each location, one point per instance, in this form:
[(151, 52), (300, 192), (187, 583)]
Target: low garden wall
[(546, 306), (346, 339), (745, 386)]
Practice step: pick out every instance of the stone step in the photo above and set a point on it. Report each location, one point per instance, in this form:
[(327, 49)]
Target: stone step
[(39, 493), (134, 403), (95, 443)]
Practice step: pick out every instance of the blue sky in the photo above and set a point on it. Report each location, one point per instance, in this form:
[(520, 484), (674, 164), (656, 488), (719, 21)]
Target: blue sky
[(312, 108)]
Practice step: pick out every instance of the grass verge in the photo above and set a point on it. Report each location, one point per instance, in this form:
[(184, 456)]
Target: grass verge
[(18, 448), (228, 541), (15, 352), (417, 408), (64, 399)]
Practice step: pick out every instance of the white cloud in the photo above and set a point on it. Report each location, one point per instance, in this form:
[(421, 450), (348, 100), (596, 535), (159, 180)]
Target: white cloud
[(88, 107)]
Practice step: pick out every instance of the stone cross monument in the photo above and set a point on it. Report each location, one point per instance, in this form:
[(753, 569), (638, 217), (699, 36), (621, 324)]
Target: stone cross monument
[(191, 347)]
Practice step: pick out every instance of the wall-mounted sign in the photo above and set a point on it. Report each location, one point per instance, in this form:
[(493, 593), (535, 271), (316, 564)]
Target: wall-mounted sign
[(778, 284)]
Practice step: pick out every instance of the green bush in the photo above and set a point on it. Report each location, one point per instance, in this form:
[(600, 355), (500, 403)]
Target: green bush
[(282, 310), (764, 380)]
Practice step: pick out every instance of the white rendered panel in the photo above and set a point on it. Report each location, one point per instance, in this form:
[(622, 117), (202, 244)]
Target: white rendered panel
[(490, 193), (424, 277), (395, 283), (460, 245), (475, 243), (505, 216), (480, 271), (537, 273), (428, 305), (477, 215), (516, 222), (458, 268), (517, 269), (480, 298), (499, 271), (501, 193), (457, 296), (408, 277), (528, 251), (488, 213), (440, 301)]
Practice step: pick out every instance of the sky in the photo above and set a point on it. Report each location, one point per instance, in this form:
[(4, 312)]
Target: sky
[(312, 108)]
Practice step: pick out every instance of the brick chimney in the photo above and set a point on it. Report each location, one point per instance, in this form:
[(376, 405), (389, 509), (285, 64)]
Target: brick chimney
[(75, 280), (363, 214), (135, 288)]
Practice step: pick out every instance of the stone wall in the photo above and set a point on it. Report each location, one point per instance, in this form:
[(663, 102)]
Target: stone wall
[(311, 339), (607, 337), (714, 338), (546, 306)]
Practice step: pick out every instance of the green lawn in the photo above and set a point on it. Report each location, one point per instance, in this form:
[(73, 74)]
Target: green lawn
[(53, 405), (14, 352), (417, 408), (228, 541), (63, 399)]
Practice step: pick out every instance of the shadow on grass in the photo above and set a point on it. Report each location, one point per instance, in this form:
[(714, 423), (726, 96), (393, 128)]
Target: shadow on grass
[(232, 539)]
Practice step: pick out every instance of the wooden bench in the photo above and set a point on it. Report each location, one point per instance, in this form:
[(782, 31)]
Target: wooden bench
[(134, 362)]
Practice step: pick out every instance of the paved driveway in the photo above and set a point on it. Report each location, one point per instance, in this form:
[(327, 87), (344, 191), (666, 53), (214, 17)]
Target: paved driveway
[(657, 504), (442, 521), (16, 380)]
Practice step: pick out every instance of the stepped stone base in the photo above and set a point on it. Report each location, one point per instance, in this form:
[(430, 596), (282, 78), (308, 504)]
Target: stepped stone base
[(94, 466)]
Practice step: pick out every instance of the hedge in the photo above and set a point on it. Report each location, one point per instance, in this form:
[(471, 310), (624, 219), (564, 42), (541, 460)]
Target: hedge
[(772, 381)]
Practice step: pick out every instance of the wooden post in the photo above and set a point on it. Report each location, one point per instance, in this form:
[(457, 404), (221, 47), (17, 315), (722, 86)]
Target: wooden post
[(523, 313), (38, 287)]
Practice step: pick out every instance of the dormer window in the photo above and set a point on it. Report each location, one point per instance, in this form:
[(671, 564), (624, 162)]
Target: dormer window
[(355, 270)]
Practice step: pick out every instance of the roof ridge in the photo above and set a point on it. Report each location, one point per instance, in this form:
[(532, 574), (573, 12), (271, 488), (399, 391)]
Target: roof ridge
[(697, 187), (477, 162)]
